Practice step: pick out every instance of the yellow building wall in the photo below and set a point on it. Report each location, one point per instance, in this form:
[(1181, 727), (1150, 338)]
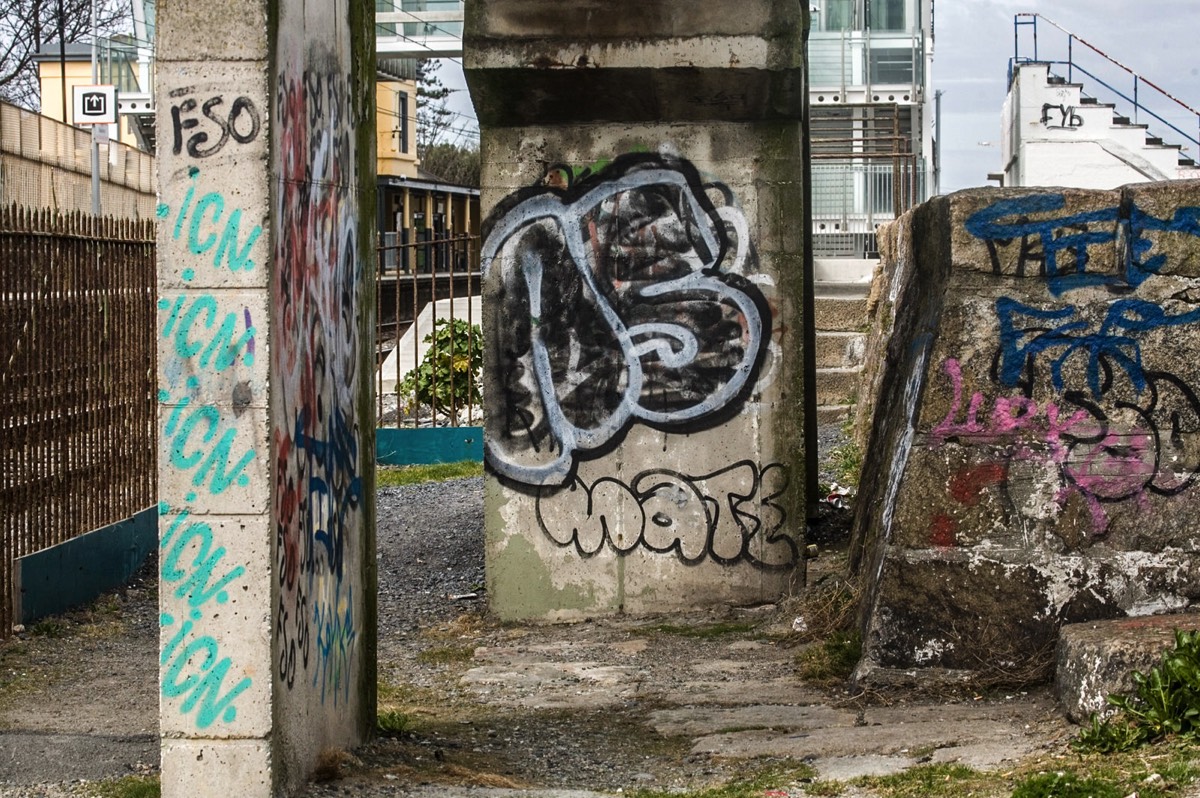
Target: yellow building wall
[(390, 153), (79, 73)]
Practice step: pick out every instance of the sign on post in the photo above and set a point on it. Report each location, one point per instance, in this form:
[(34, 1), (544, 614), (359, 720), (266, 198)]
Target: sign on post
[(95, 105)]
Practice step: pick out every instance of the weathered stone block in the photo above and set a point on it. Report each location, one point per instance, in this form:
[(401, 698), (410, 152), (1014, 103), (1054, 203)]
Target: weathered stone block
[(1097, 659), (1034, 364)]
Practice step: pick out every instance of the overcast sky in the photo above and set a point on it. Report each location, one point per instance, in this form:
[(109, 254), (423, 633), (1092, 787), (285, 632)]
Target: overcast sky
[(974, 41)]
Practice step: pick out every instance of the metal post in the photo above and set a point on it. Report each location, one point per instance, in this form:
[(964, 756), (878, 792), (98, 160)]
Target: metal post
[(95, 144), (937, 142), (62, 59)]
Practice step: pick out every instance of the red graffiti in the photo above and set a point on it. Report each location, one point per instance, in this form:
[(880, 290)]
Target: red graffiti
[(943, 531), (967, 485)]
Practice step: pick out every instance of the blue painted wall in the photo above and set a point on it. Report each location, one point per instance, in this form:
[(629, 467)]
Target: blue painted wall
[(54, 580), (428, 445)]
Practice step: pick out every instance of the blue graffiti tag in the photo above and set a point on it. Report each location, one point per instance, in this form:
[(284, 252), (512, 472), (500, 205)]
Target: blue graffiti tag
[(1027, 332), (196, 668), (1059, 245)]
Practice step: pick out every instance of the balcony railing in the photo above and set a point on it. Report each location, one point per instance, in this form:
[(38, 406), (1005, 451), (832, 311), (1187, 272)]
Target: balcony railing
[(853, 197)]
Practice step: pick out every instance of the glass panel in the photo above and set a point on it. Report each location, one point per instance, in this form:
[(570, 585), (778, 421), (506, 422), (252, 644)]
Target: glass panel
[(887, 14), (839, 15)]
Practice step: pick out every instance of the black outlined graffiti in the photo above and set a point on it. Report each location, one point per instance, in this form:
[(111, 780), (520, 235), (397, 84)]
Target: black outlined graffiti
[(728, 516), (1060, 116), (619, 298), (318, 281), (215, 118)]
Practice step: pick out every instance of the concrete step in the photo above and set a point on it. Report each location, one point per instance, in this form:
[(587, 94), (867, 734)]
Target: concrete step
[(837, 386), (834, 414), (840, 349), (1097, 658), (846, 313)]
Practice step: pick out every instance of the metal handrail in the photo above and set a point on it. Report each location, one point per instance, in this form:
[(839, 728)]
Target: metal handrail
[(1138, 80)]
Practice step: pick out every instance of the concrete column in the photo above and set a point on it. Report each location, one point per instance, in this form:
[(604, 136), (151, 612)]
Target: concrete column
[(643, 256), (266, 261)]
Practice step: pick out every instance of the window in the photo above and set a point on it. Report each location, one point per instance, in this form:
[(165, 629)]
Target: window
[(402, 126), (839, 15), (886, 14)]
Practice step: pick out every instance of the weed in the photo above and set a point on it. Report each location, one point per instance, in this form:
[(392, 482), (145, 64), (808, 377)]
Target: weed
[(828, 788), (127, 787), (330, 763), (832, 660), (49, 627), (770, 779), (394, 723), (1064, 784), (1166, 701), (397, 476), (827, 607), (927, 781), (446, 655), (846, 462)]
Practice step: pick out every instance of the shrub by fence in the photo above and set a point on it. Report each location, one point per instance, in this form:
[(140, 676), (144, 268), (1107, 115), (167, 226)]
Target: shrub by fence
[(77, 448)]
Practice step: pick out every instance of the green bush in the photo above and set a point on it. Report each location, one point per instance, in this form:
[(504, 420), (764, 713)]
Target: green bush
[(1166, 701), (448, 375)]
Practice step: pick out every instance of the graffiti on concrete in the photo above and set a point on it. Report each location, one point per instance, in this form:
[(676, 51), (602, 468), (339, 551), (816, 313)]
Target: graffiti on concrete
[(211, 124), (729, 516), (1070, 391), (1059, 246), (622, 295), (1122, 433), (319, 490), (193, 568), (1060, 116), (202, 235)]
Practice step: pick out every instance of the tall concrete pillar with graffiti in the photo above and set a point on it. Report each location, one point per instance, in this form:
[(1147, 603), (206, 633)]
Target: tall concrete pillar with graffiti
[(266, 252), (643, 275)]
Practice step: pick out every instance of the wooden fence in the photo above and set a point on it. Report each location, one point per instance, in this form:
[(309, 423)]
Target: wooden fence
[(77, 366)]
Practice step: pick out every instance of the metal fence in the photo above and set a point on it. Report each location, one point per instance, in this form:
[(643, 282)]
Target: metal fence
[(77, 448), (851, 199), (429, 350), (46, 164)]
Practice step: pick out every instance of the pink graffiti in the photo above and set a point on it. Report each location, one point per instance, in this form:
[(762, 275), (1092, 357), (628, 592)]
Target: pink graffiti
[(1094, 458)]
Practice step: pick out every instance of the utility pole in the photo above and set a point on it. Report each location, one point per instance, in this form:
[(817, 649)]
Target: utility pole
[(95, 128)]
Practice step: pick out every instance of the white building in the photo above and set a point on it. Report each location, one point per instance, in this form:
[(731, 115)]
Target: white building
[(1087, 121)]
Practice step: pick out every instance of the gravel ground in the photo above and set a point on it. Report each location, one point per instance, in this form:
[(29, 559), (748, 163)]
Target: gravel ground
[(79, 698)]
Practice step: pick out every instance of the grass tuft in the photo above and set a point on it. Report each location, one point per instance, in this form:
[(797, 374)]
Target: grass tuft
[(127, 787), (446, 655), (832, 660), (397, 476), (769, 780)]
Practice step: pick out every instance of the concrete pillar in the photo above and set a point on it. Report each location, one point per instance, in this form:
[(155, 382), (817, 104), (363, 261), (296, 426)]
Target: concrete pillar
[(643, 255), (266, 259)]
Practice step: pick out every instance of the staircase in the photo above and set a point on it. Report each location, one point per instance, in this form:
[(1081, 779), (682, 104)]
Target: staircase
[(840, 314), (1056, 134)]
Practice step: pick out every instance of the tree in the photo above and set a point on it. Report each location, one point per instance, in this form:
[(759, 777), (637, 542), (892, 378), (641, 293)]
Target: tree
[(27, 25), (433, 117), (453, 164)]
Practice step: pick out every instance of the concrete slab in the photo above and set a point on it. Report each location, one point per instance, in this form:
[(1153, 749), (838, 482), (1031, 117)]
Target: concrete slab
[(1098, 658)]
